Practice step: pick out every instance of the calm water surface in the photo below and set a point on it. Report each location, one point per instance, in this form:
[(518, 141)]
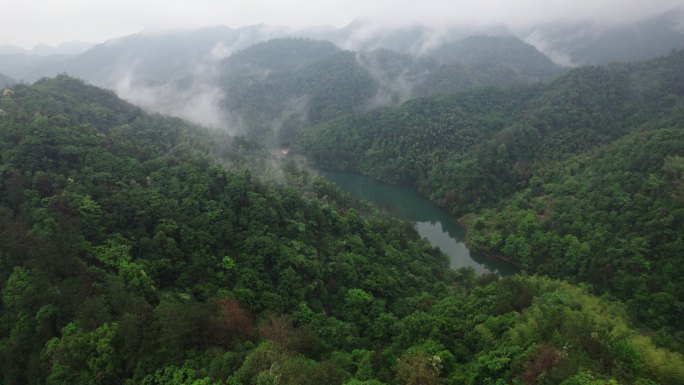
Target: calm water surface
[(439, 227)]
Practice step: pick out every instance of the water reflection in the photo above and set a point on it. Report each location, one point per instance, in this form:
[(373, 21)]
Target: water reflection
[(440, 228)]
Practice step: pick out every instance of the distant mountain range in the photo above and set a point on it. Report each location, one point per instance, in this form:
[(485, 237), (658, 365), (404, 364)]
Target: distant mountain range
[(219, 77), (222, 77), (67, 48), (590, 43), (283, 85), (162, 56)]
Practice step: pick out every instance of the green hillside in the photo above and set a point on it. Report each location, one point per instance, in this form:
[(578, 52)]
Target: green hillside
[(314, 83), (504, 133), (581, 177), (522, 59), (130, 256), (282, 86)]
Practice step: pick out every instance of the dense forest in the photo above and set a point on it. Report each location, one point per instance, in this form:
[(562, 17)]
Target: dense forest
[(580, 178), (139, 249), (281, 86)]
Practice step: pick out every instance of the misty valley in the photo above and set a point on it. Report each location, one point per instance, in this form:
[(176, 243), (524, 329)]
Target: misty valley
[(352, 206)]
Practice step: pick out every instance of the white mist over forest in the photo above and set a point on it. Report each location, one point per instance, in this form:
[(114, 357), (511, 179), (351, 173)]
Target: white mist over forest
[(57, 22), (175, 58)]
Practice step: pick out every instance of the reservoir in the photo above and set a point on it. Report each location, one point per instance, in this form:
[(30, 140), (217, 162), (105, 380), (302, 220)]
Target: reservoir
[(439, 227)]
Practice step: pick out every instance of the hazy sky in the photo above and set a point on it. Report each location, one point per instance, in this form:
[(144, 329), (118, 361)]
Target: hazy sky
[(29, 22)]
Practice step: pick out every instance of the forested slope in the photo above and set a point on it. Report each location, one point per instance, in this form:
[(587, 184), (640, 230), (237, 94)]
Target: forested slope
[(279, 87), (612, 217), (581, 177), (127, 255), (523, 60), (476, 146), (115, 231)]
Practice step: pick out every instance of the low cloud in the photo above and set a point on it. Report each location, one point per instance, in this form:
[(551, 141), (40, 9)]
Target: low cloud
[(199, 103), (102, 20), (559, 57), (393, 88)]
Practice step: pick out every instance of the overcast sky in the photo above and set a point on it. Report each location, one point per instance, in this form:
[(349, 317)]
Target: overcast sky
[(29, 22)]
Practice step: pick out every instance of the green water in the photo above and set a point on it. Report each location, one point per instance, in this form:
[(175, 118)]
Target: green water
[(439, 227)]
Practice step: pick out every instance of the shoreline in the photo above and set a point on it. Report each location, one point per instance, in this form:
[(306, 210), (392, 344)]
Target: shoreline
[(485, 253)]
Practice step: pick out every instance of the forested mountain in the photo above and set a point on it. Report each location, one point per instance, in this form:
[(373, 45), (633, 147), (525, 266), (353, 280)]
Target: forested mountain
[(524, 127), (171, 55), (584, 42), (138, 249), (588, 168), (612, 217), (19, 65), (279, 55), (282, 85), (272, 90), (289, 84), (402, 144), (149, 56), (589, 43), (238, 79), (521, 58), (66, 48), (165, 56)]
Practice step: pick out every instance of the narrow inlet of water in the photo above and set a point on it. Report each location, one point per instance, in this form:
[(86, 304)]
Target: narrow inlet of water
[(439, 227)]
